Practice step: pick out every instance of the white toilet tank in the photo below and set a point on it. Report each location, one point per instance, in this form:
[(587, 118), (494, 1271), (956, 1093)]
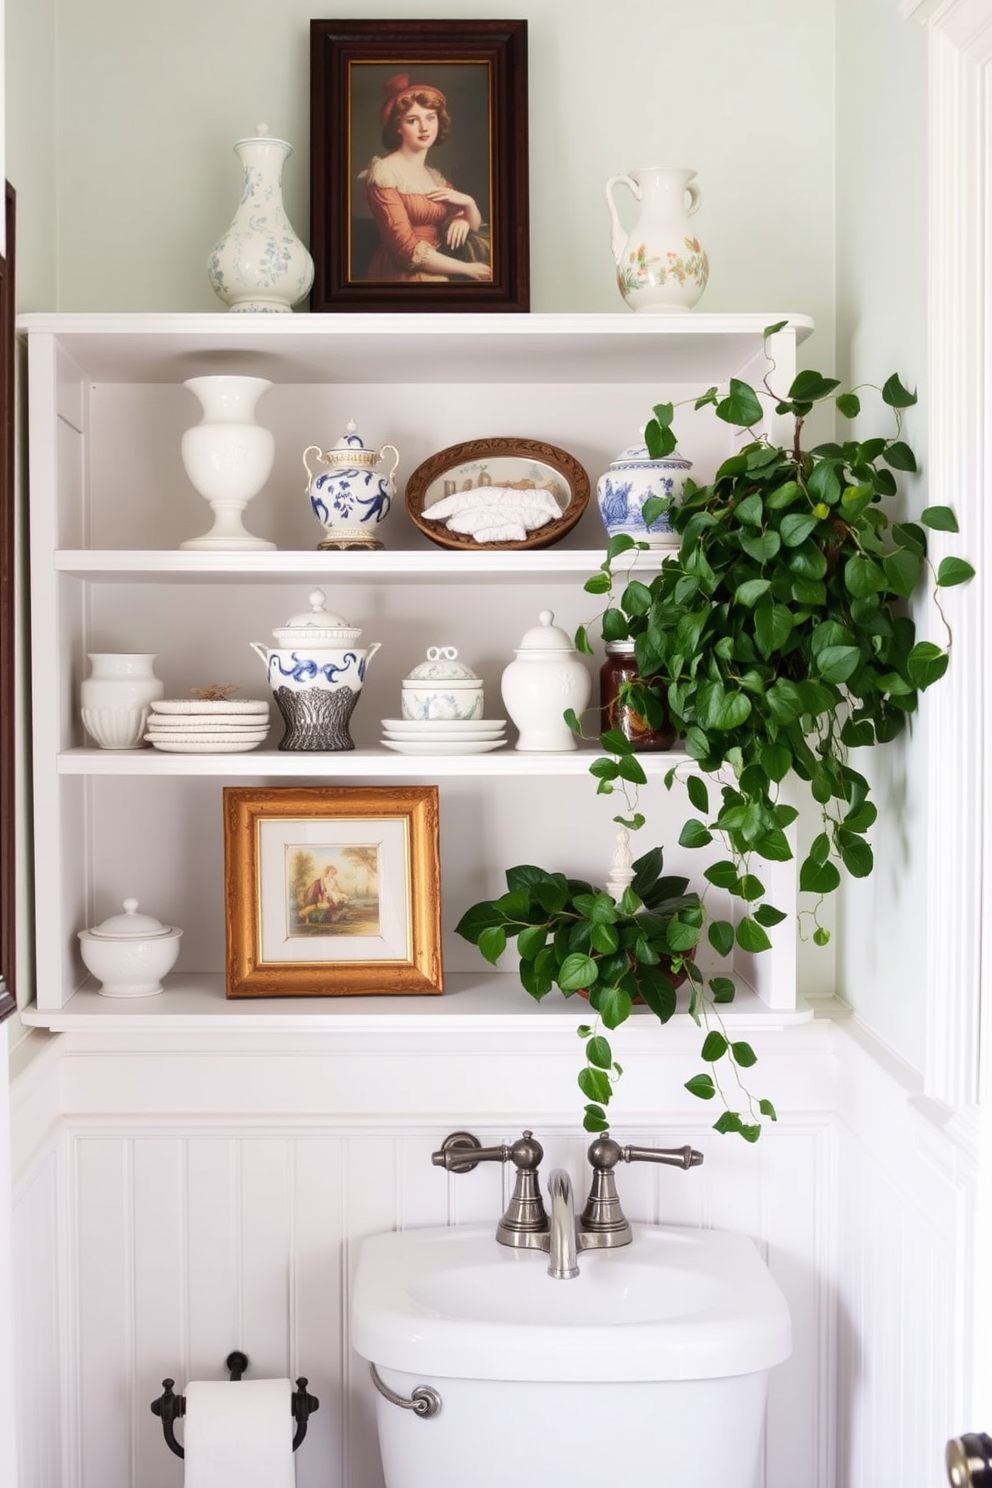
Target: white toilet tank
[(648, 1370)]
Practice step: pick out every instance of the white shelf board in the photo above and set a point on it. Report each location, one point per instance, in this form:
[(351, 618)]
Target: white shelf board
[(496, 1003), (434, 566), (359, 348), (383, 763)]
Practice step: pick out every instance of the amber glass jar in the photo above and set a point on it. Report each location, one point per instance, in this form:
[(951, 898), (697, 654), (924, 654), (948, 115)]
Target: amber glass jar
[(620, 667)]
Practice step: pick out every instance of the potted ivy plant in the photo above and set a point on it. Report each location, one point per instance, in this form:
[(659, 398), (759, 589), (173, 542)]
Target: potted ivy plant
[(779, 641)]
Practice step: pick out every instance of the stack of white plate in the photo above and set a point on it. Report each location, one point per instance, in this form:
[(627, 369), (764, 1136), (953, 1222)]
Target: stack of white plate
[(188, 726), (443, 735)]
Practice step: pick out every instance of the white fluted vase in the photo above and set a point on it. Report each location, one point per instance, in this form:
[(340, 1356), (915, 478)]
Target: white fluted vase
[(260, 263), (228, 458)]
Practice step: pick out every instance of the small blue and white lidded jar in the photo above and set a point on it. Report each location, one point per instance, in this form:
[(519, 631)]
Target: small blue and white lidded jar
[(442, 689), (350, 498), (631, 479)]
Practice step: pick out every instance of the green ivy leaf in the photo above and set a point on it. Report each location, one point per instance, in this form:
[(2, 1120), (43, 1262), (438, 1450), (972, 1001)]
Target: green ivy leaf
[(818, 878), (722, 989), (595, 1084), (714, 1047), (741, 406), (808, 387), (895, 395), (899, 455), (697, 793), (750, 935), (492, 943), (939, 519), (721, 936), (694, 834), (614, 1006), (577, 973), (954, 571), (701, 1086), (848, 404), (595, 1120), (743, 1055), (926, 664), (751, 591)]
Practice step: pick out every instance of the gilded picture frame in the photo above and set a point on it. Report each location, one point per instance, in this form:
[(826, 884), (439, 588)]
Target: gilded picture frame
[(332, 891), (419, 194)]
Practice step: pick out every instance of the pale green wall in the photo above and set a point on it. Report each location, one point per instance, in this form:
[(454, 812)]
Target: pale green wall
[(149, 98), (881, 328)]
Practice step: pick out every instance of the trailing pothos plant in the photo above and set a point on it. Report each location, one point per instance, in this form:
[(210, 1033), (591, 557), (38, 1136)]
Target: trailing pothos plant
[(778, 640)]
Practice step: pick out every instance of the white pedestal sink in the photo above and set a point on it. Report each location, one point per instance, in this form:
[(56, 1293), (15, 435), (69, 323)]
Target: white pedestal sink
[(649, 1368)]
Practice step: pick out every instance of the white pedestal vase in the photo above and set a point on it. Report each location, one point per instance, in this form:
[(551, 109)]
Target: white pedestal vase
[(260, 263), (228, 457)]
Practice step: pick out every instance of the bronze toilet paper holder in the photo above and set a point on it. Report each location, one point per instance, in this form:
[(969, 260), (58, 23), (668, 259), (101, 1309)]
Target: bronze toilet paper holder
[(171, 1407)]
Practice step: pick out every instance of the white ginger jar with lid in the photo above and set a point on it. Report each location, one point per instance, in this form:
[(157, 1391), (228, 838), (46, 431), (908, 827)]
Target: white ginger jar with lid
[(545, 679)]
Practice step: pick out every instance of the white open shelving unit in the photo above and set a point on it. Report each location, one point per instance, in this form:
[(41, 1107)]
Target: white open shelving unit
[(109, 506)]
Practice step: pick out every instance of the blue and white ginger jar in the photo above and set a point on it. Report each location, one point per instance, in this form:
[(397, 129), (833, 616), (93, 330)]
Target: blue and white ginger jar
[(350, 498), (631, 479)]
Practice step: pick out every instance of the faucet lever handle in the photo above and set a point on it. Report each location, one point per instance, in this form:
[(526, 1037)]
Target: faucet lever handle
[(675, 1157)]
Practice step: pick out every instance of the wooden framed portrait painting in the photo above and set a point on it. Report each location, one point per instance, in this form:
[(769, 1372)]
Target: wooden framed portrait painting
[(418, 165), (332, 891)]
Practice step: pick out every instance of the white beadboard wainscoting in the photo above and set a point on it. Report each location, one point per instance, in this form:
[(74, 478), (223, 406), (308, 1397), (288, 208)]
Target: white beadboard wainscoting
[(178, 1197)]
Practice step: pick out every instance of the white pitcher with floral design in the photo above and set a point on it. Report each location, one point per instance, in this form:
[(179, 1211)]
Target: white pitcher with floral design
[(660, 263)]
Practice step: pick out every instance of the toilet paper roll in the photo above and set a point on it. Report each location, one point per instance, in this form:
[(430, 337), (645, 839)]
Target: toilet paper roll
[(239, 1434)]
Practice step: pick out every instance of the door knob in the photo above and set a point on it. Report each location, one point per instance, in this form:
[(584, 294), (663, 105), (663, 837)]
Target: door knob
[(968, 1460)]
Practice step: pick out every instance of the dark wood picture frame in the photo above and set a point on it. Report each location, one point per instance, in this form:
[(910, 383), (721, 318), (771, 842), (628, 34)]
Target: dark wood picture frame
[(480, 67), (8, 643)]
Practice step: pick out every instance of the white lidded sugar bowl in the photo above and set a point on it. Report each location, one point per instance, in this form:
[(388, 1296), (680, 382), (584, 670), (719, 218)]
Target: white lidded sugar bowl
[(546, 677), (316, 672), (442, 687), (350, 498), (632, 478), (130, 953), (114, 699)]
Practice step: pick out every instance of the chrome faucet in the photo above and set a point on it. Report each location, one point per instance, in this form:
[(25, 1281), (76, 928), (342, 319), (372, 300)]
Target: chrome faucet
[(525, 1224), (562, 1262)]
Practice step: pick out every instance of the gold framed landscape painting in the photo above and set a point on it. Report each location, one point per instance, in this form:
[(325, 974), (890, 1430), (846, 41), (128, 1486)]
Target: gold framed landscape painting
[(332, 891), (419, 194)]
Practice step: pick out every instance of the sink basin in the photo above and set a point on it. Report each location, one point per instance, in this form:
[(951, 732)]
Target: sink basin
[(675, 1304), (650, 1367)]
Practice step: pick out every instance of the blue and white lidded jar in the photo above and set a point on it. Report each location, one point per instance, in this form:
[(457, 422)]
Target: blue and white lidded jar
[(350, 498), (631, 479), (442, 688), (316, 674)]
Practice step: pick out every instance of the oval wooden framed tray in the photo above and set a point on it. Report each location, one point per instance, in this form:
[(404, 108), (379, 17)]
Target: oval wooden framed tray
[(497, 493)]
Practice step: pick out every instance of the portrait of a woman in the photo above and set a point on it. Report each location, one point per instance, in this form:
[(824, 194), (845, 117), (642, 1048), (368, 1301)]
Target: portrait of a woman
[(427, 229)]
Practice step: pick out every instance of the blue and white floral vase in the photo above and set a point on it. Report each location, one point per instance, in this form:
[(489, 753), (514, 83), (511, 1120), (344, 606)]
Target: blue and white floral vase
[(350, 498), (633, 477), (260, 263)]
